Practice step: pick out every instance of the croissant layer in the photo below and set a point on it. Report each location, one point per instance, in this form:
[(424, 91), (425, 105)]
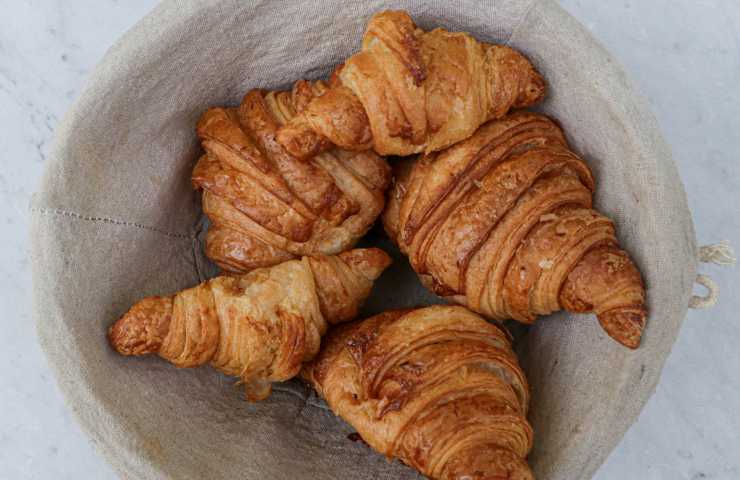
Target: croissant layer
[(409, 91), (438, 387), (503, 223), (265, 205), (260, 326)]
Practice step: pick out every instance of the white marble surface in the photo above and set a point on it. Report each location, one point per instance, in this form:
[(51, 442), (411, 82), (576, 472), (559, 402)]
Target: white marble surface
[(684, 56)]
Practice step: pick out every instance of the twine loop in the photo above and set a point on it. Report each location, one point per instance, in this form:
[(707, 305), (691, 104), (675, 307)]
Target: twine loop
[(720, 254)]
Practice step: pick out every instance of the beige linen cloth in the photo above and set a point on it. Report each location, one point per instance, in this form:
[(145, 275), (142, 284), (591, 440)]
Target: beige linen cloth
[(116, 219)]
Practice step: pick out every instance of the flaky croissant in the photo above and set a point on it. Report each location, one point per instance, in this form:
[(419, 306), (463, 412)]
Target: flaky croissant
[(438, 387), (266, 206), (260, 326), (409, 91), (503, 224)]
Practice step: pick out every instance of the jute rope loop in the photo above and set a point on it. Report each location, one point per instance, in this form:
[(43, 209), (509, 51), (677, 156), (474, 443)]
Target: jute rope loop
[(720, 254), (708, 300)]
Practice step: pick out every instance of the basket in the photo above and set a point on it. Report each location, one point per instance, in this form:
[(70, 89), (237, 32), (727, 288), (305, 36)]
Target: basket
[(116, 219)]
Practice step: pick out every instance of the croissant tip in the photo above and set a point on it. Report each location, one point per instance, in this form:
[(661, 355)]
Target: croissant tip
[(533, 91), (371, 262), (300, 140), (625, 325), (113, 336), (123, 335), (141, 330)]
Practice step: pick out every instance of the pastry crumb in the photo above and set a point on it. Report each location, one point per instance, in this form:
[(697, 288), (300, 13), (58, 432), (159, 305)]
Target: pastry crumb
[(546, 264)]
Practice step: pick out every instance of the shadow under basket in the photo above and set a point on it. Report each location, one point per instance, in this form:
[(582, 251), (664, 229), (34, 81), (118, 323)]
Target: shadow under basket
[(116, 219)]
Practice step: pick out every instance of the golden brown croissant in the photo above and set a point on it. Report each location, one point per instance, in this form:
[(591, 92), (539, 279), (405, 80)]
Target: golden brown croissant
[(438, 387), (409, 91), (260, 326), (503, 224), (266, 206)]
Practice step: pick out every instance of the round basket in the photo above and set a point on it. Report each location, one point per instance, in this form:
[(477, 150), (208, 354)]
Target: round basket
[(116, 219)]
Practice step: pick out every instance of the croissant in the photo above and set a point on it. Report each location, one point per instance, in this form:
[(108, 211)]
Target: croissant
[(438, 387), (503, 223), (260, 326), (409, 91), (266, 206)]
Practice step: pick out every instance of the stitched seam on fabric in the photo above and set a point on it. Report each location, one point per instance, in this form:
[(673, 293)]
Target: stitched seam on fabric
[(521, 21), (112, 221), (196, 246)]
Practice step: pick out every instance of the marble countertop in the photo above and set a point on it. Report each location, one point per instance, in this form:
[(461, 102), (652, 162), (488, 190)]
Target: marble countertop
[(684, 55)]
